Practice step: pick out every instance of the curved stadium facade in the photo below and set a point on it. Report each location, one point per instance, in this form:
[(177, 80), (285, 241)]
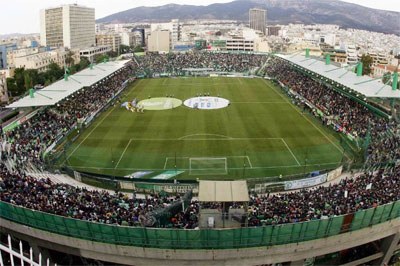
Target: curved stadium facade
[(353, 221)]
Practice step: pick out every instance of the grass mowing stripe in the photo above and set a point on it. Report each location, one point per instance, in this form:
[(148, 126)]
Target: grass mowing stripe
[(91, 132), (256, 129), (287, 146), (334, 144)]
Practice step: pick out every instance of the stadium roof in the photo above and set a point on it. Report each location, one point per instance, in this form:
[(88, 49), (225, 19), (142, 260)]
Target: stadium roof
[(365, 85), (223, 191), (61, 89)]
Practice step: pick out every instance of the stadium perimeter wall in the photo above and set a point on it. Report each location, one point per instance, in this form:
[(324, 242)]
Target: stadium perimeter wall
[(243, 246)]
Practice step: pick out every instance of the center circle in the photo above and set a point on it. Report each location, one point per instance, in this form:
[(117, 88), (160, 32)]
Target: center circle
[(206, 103)]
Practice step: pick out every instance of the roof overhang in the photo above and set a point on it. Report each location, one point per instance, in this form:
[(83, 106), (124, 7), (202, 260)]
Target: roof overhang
[(61, 89), (343, 77)]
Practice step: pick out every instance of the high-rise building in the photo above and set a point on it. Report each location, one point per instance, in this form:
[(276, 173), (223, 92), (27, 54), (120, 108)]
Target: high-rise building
[(257, 19), (70, 26)]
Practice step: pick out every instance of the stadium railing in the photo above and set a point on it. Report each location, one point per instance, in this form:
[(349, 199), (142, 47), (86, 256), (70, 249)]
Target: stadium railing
[(204, 238)]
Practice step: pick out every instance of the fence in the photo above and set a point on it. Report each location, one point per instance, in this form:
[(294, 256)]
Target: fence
[(19, 257), (199, 239)]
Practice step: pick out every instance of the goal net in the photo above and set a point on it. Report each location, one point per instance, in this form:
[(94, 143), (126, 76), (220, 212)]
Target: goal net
[(208, 166)]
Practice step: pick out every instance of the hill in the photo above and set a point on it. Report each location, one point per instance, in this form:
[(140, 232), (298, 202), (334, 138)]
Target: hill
[(344, 14)]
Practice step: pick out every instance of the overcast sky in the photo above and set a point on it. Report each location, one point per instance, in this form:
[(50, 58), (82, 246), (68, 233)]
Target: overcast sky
[(22, 16)]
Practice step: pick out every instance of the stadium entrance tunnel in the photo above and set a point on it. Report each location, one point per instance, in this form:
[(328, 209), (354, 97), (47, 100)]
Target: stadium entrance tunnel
[(160, 103), (206, 103)]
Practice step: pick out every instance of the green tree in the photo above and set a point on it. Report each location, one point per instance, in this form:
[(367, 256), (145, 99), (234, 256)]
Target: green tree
[(366, 60), (13, 88), (138, 49), (54, 73), (69, 60), (27, 81), (124, 49), (386, 77), (19, 78)]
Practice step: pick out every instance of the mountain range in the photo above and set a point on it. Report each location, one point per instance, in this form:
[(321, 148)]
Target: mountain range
[(344, 14)]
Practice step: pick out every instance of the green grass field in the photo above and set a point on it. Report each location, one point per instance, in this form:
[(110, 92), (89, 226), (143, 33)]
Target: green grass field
[(261, 133)]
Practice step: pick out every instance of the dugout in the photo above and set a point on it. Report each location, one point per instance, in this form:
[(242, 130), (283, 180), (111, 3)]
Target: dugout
[(219, 202)]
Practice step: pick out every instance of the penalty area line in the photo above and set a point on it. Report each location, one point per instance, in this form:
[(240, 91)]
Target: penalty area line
[(308, 120), (287, 146), (123, 153)]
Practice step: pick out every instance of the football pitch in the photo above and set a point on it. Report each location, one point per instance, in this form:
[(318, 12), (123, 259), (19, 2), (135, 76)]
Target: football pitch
[(259, 134)]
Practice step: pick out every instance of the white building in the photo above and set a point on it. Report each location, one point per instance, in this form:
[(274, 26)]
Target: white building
[(352, 54), (91, 52), (111, 40), (12, 54), (3, 89), (174, 28), (257, 19), (41, 60), (128, 38), (159, 41), (70, 26)]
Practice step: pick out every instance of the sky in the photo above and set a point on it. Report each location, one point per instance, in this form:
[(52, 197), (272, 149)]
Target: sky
[(22, 16)]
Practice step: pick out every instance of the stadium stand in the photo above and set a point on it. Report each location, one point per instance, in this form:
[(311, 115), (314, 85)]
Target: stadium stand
[(25, 146)]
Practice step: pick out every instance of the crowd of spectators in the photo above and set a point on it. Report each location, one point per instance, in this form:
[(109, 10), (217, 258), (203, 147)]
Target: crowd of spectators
[(79, 203), (348, 115), (219, 62), (348, 196), (351, 116), (27, 143)]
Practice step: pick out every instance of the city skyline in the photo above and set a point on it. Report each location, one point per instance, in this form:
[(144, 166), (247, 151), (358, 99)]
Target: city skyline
[(30, 10)]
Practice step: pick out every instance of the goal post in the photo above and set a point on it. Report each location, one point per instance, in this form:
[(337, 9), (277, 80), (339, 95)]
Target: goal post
[(208, 166)]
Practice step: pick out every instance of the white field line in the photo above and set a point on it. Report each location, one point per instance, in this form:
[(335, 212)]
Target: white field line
[(90, 132), (187, 157), (320, 131), (248, 159), (123, 153), (287, 146), (229, 139), (260, 102), (234, 168), (204, 134)]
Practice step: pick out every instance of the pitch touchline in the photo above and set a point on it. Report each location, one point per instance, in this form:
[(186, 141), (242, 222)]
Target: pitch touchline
[(320, 131), (91, 132)]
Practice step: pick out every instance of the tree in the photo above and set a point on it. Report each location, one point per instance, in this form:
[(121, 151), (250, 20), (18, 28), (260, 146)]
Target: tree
[(124, 49), (54, 73), (19, 78), (366, 60), (138, 49), (13, 88), (386, 77), (27, 81), (69, 60)]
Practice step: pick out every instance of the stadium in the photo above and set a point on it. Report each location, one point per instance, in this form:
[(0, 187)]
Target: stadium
[(206, 158)]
